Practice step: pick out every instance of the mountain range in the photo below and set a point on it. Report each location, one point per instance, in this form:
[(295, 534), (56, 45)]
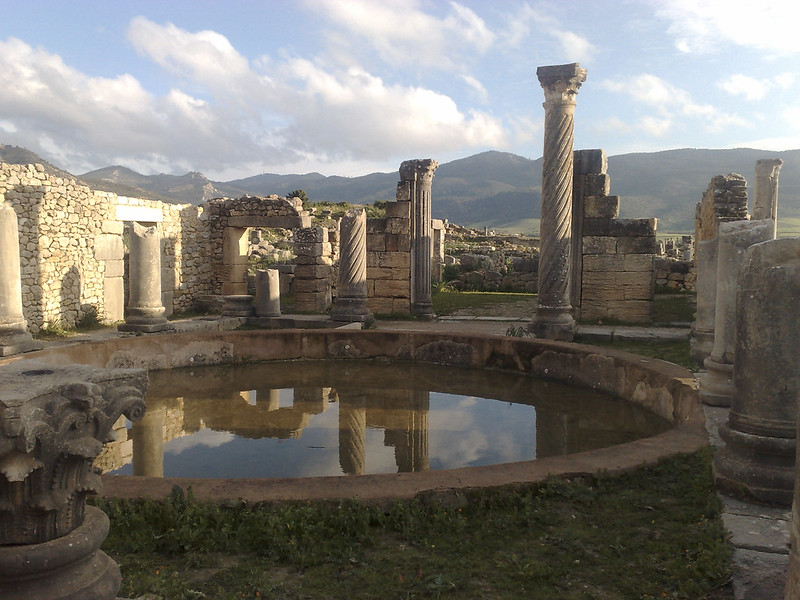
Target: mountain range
[(493, 189)]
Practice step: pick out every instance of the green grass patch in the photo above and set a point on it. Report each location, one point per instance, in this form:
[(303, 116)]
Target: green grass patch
[(671, 351), (446, 302), (674, 308), (653, 533)]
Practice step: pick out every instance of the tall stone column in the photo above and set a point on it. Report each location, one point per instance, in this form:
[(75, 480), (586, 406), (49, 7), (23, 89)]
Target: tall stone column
[(351, 304), (418, 175), (145, 309), (553, 318), (759, 451), (765, 205), (14, 336), (735, 237)]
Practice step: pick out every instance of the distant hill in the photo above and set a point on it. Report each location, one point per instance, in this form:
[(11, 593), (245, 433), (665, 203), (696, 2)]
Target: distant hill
[(492, 189)]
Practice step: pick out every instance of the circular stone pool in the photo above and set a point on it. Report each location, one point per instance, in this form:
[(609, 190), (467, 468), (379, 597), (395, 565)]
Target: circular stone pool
[(351, 417), (660, 388)]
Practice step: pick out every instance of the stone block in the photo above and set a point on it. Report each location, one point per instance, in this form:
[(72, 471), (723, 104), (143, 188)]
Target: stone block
[(599, 244), (379, 273), (312, 271), (601, 207), (307, 286), (376, 242), (389, 288), (637, 245), (115, 268), (638, 262), (234, 288), (108, 247), (619, 227), (398, 226), (113, 299), (603, 263), (380, 306), (590, 161), (398, 209), (596, 184), (400, 260), (113, 227)]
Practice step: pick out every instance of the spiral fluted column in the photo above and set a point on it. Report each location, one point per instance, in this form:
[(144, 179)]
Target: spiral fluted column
[(553, 318), (351, 303), (352, 432)]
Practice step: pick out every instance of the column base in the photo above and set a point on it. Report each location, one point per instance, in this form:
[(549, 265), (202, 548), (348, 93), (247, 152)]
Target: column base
[(553, 325), (18, 343), (142, 326), (350, 310), (423, 310), (71, 567), (716, 386), (758, 466)]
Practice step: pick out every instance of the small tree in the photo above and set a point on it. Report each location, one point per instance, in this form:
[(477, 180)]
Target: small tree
[(299, 194)]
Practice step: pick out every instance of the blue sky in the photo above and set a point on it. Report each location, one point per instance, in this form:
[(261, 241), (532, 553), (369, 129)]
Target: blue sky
[(348, 87)]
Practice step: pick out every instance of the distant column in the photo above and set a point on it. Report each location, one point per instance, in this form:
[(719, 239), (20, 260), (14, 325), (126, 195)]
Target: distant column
[(14, 336), (553, 318), (765, 205), (145, 312), (418, 174), (351, 303), (735, 237)]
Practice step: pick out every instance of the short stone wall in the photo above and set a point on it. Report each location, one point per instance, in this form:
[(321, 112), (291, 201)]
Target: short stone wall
[(677, 275), (389, 261)]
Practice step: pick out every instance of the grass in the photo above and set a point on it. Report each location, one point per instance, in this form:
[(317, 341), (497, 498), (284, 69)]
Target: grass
[(446, 302), (674, 308), (671, 351), (653, 533)]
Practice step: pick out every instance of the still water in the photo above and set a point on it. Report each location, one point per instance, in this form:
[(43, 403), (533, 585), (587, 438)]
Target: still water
[(314, 418)]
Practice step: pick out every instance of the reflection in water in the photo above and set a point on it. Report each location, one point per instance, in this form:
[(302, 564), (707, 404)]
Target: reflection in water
[(313, 418)]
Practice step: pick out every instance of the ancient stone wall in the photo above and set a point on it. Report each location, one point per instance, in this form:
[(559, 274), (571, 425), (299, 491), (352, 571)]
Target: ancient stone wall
[(724, 200), (616, 255), (677, 275), (389, 261)]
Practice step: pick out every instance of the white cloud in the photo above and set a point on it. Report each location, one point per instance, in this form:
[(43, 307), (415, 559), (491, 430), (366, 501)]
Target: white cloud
[(527, 22), (673, 105), (225, 111), (477, 88), (756, 89), (400, 32), (709, 25)]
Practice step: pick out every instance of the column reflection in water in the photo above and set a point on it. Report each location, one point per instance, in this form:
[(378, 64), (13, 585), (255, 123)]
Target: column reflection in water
[(352, 432), (148, 440), (407, 430)]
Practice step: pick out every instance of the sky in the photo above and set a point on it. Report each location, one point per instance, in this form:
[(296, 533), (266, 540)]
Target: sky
[(348, 87)]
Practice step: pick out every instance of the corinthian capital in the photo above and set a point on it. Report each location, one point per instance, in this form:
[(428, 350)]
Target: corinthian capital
[(419, 169), (561, 82)]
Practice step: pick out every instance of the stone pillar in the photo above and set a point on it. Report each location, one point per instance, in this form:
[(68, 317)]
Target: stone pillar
[(145, 309), (735, 237), (417, 176), (701, 342), (14, 336), (351, 304), (765, 205), (759, 451), (352, 432), (268, 293), (312, 284), (553, 318), (53, 423)]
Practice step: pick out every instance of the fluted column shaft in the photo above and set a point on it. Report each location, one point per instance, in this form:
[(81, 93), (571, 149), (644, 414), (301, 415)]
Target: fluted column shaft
[(419, 175), (352, 432), (553, 318)]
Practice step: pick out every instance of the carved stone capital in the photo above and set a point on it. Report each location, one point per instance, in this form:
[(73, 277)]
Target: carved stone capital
[(561, 82), (421, 169), (53, 424)]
